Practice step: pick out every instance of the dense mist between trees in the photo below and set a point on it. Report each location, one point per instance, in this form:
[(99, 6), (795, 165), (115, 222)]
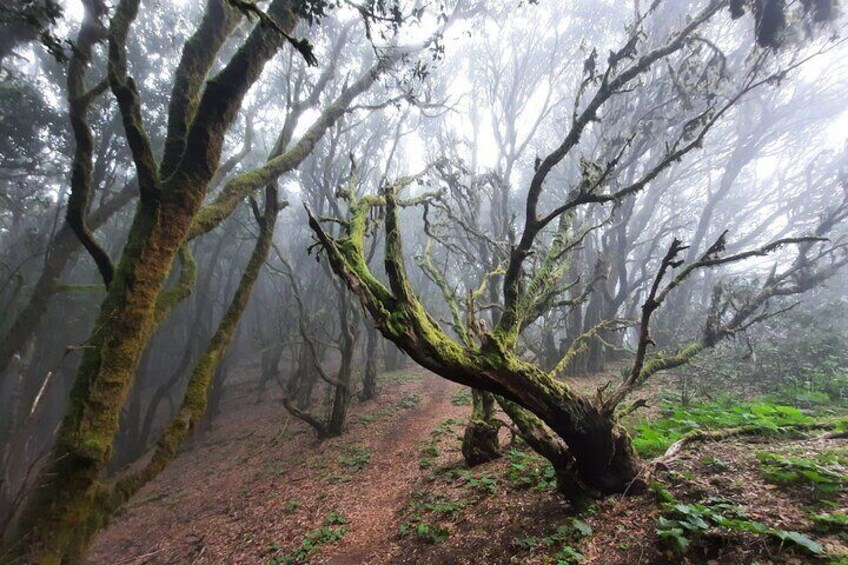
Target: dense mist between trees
[(575, 211)]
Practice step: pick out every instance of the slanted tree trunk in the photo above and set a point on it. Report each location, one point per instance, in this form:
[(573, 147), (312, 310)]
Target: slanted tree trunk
[(67, 506)]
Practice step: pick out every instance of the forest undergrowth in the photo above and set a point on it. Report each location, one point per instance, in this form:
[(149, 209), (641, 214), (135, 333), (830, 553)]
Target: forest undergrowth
[(258, 488)]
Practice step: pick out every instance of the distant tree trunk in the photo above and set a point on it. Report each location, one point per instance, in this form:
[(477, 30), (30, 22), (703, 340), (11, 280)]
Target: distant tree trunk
[(332, 423), (269, 362), (60, 252), (480, 441), (395, 359), (369, 377), (341, 395)]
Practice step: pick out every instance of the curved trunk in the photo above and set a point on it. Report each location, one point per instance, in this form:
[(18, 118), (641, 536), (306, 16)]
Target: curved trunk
[(63, 504)]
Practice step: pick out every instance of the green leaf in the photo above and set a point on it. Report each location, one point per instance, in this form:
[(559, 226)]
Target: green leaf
[(800, 540)]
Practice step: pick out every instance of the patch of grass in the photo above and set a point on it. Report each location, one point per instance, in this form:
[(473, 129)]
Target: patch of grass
[(402, 376), (408, 401), (332, 530), (358, 456), (291, 505), (681, 524), (653, 438), (562, 542), (483, 484), (802, 471), (462, 397), (528, 470)]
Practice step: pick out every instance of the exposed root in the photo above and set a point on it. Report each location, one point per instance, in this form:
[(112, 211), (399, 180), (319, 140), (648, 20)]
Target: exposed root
[(698, 436)]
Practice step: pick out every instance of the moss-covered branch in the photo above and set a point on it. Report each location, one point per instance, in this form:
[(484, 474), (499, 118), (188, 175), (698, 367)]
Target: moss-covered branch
[(129, 104), (284, 160), (79, 101), (581, 343), (223, 95), (197, 390), (199, 54), (183, 287)]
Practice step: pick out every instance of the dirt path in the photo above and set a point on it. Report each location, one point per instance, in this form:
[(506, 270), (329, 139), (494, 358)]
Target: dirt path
[(247, 493), (372, 504)]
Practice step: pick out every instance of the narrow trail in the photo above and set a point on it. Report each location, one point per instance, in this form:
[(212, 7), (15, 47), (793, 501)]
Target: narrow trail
[(388, 481), (244, 489)]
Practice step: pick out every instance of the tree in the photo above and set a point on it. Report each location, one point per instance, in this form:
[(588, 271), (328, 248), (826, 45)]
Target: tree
[(71, 500), (580, 434)]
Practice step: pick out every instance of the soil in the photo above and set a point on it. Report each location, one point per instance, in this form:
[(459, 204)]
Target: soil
[(258, 484)]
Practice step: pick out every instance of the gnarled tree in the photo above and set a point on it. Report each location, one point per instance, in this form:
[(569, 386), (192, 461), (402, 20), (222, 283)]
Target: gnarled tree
[(580, 434)]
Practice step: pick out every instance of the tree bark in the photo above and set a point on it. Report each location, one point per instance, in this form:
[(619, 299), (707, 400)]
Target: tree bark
[(480, 440), (369, 377)]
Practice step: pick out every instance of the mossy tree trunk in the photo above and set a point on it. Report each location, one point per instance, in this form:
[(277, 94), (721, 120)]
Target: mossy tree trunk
[(66, 508), (580, 434), (606, 462), (480, 440), (67, 505)]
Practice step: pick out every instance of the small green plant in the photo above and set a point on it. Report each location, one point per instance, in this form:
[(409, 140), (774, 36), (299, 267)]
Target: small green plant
[(784, 470), (563, 540), (484, 484), (335, 519), (681, 523), (529, 471), (568, 555), (357, 458), (437, 508), (430, 450), (366, 419), (291, 505), (444, 428), (527, 543), (331, 531), (462, 397), (836, 522), (431, 533), (409, 401), (423, 502), (653, 438)]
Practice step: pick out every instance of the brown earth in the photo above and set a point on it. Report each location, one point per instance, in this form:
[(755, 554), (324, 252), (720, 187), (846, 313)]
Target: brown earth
[(258, 484)]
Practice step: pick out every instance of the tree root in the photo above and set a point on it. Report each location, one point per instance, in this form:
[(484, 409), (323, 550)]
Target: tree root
[(697, 436)]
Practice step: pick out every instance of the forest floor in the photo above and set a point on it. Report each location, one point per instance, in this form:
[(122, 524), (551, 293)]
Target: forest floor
[(259, 488)]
